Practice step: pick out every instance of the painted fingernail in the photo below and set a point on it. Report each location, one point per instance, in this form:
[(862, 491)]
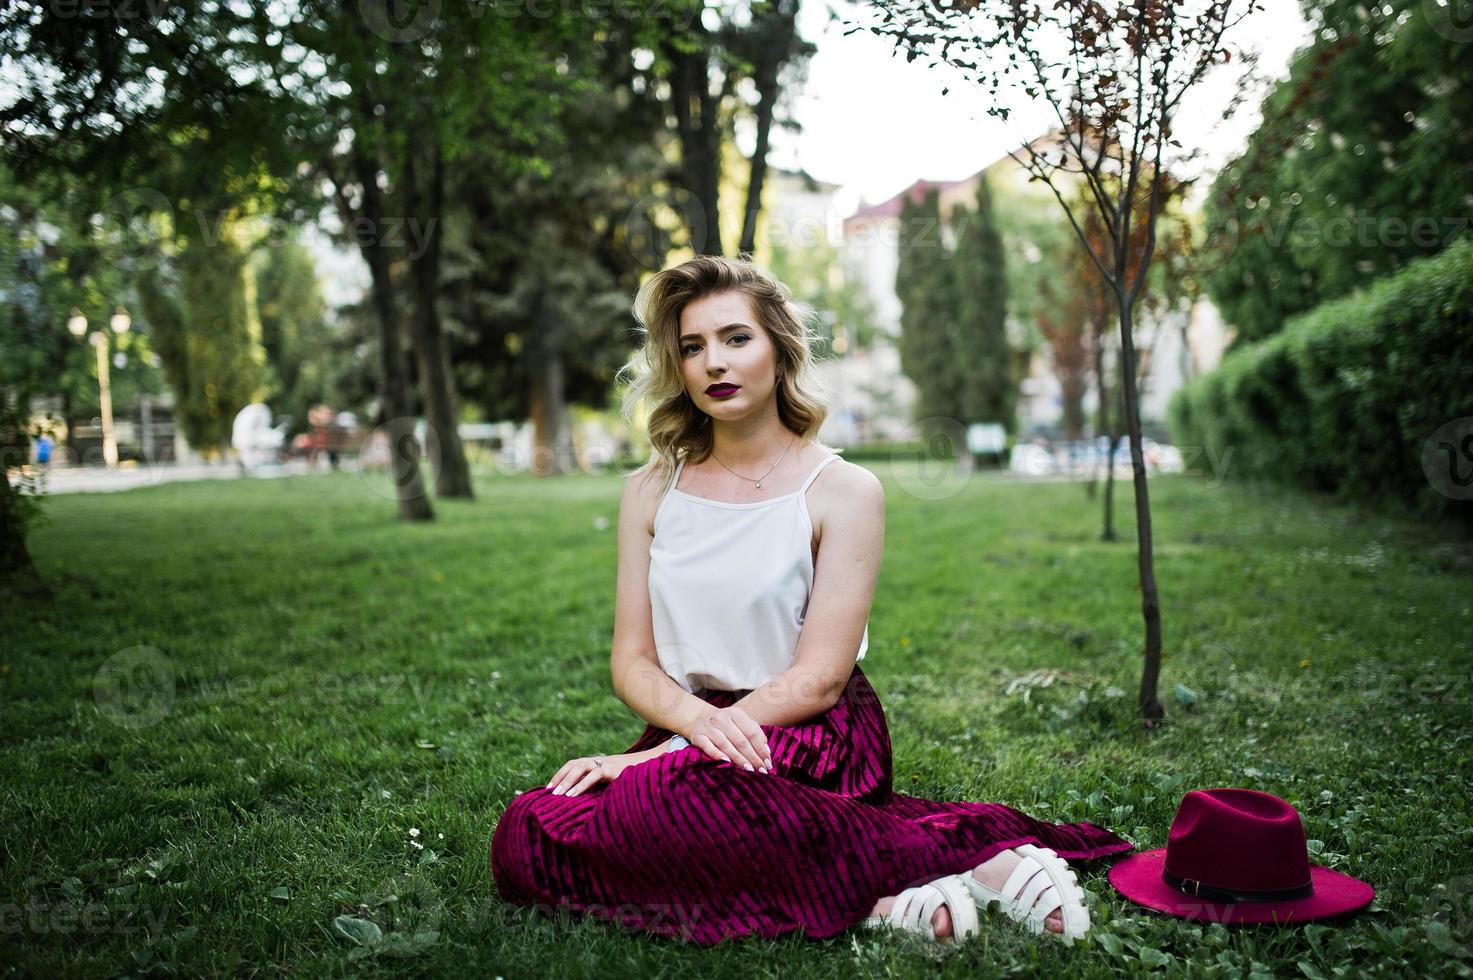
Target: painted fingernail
[(558, 791), (748, 766)]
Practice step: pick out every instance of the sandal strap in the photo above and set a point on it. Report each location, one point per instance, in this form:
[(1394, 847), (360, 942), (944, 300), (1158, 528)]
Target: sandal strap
[(1039, 884), (1038, 889), (914, 907), (1068, 896)]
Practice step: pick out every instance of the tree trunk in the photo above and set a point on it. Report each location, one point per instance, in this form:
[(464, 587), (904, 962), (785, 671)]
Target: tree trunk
[(759, 171), (66, 422), (16, 569), (1102, 417), (1072, 394), (414, 502), (550, 450), (1150, 705), (699, 130), (1108, 534), (436, 383)]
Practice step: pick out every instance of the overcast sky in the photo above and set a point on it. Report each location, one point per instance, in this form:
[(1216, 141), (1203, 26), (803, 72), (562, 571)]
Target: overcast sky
[(874, 123)]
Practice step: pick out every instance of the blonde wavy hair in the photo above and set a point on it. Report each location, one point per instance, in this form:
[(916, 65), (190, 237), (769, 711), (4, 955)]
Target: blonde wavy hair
[(677, 428)]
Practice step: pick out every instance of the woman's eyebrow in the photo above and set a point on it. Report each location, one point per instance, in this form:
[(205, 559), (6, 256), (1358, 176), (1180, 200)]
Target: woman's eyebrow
[(728, 327)]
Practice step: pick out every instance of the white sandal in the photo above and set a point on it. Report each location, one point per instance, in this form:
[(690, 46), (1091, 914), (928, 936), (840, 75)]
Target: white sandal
[(915, 906), (1041, 883)]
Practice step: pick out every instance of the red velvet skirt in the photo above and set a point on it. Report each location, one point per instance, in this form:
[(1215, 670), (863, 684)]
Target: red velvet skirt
[(688, 846)]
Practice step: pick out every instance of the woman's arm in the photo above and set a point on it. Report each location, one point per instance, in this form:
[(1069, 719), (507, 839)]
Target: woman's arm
[(638, 678), (853, 543), (654, 696)]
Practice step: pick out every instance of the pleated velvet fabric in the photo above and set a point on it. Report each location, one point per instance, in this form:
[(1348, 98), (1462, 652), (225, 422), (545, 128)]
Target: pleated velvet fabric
[(700, 849)]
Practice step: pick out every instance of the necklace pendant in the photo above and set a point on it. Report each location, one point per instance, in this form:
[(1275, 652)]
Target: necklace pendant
[(759, 484)]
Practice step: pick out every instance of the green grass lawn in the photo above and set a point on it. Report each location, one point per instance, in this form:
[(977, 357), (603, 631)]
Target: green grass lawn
[(308, 679)]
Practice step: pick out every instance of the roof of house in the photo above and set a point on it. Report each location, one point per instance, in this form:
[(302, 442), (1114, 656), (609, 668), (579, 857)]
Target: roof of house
[(916, 192)]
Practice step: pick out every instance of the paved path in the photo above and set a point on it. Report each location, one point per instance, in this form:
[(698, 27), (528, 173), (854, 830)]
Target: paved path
[(97, 479)]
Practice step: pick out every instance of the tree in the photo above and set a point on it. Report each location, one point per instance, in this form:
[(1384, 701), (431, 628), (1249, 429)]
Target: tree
[(925, 284), (299, 344), (54, 259), (988, 390), (846, 308), (541, 265), (704, 67), (1113, 74), (205, 328), (1361, 164), (1063, 320)]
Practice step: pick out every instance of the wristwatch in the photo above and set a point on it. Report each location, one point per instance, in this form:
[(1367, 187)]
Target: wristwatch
[(677, 742)]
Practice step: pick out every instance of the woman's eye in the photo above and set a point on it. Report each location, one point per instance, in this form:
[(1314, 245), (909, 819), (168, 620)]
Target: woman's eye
[(690, 347)]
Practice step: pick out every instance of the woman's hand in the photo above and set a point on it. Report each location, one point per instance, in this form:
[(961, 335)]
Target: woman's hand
[(730, 734), (576, 775)]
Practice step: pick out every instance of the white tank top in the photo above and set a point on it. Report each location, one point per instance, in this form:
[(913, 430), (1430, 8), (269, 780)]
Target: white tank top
[(729, 586)]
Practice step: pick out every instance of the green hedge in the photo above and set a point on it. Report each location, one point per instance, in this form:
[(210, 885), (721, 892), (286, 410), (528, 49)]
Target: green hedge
[(1344, 398)]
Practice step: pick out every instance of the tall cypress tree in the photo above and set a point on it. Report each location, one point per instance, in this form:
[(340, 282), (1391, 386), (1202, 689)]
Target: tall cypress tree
[(926, 286), (987, 389)]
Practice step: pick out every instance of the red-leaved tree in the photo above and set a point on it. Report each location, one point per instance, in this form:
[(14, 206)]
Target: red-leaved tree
[(1113, 73)]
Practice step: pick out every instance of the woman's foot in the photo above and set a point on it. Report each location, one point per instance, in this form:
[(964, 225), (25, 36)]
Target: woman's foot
[(994, 874), (940, 921)]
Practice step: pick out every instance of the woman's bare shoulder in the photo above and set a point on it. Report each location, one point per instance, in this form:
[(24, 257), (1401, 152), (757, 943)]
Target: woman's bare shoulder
[(642, 493), (842, 484)]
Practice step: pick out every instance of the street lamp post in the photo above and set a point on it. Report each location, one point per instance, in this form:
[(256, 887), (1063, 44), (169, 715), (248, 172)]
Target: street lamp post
[(120, 322)]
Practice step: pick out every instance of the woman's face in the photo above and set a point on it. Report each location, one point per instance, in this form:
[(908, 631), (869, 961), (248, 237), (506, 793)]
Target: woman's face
[(722, 343)]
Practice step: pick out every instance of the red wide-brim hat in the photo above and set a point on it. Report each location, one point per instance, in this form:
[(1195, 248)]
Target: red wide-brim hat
[(1238, 857), (1138, 877)]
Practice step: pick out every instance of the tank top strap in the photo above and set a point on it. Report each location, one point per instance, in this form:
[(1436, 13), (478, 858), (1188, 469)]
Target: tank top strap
[(816, 470)]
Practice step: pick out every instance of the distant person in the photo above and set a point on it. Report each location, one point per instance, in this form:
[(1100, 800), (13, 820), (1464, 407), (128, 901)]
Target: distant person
[(44, 445)]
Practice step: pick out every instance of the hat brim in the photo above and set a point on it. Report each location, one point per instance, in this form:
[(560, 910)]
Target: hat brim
[(1138, 877)]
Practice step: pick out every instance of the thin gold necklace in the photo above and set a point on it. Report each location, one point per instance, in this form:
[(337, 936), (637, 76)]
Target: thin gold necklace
[(748, 478)]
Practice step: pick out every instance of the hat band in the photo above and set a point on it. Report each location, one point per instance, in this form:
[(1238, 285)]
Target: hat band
[(1195, 888)]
